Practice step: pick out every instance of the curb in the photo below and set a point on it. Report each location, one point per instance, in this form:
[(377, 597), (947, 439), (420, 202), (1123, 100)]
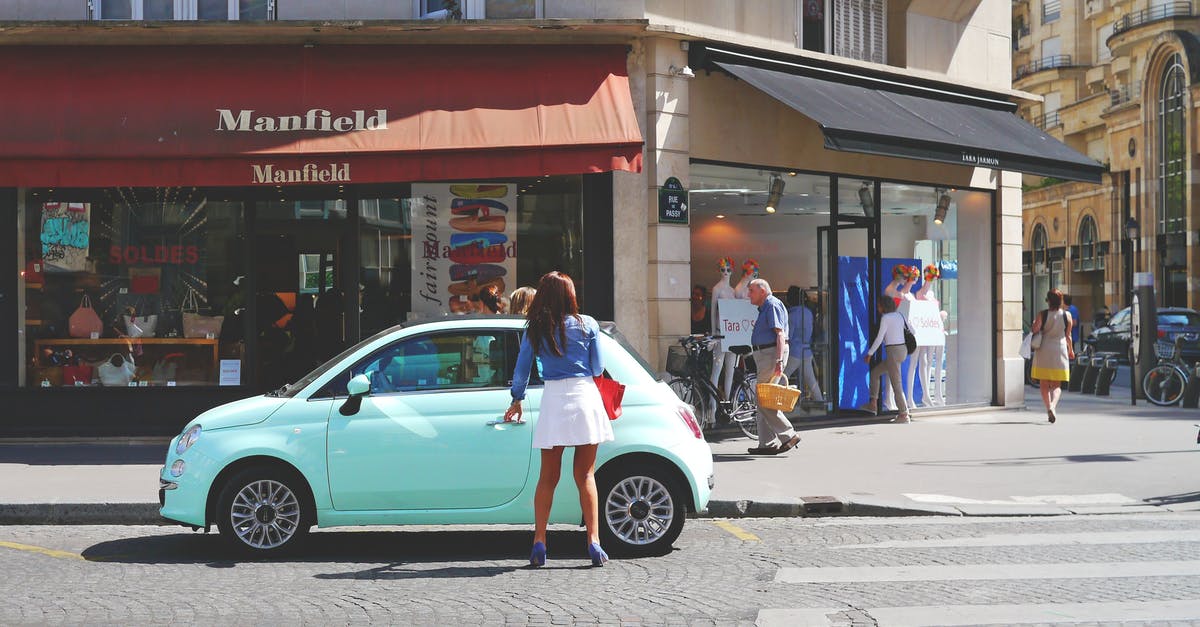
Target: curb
[(80, 514)]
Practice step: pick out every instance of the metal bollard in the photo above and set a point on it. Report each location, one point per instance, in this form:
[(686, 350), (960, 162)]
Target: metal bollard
[(1108, 373), (1075, 383), (1091, 374), (1191, 393)]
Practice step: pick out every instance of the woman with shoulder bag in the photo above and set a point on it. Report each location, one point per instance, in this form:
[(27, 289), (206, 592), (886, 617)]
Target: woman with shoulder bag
[(572, 412), (1052, 358)]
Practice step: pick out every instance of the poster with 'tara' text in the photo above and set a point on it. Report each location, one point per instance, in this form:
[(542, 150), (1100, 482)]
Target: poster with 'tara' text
[(464, 244)]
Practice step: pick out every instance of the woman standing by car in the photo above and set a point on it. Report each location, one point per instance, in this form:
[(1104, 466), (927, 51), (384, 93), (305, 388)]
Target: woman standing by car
[(1052, 359), (572, 413)]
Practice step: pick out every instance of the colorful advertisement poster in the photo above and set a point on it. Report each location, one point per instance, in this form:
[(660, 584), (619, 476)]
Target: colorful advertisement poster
[(464, 236), (66, 231)]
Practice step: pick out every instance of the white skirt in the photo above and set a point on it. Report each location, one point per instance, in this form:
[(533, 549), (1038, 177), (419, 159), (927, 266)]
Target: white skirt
[(570, 414)]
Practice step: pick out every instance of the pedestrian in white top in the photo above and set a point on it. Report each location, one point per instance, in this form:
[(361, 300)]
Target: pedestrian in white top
[(891, 336)]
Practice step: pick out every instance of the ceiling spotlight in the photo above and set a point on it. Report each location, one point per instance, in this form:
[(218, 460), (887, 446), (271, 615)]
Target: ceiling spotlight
[(720, 216), (685, 71), (774, 193), (866, 199), (943, 206)]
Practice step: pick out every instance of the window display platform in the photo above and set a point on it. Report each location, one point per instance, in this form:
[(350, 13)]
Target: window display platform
[(125, 362)]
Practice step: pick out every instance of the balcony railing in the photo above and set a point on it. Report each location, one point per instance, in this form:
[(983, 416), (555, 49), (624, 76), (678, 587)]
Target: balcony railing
[(1045, 63), (1047, 120), (1153, 14), (1125, 93)]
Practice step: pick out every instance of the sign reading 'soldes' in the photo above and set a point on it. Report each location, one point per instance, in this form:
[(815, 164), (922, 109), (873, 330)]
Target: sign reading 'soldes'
[(313, 120)]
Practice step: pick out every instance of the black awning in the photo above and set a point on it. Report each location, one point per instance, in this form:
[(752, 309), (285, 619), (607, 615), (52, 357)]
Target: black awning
[(958, 128)]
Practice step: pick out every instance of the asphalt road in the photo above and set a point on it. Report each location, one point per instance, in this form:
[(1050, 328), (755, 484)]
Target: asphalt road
[(833, 571)]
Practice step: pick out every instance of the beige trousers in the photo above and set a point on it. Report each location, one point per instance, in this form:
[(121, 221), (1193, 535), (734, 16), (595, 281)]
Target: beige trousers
[(890, 364)]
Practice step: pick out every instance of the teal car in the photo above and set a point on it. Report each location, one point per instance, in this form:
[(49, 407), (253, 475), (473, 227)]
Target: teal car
[(407, 427)]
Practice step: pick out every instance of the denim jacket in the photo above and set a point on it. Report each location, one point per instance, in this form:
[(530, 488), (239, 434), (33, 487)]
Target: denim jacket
[(581, 356)]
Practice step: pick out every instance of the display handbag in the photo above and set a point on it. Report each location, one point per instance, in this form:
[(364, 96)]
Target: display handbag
[(139, 326), (611, 393), (84, 322), (78, 374), (117, 371), (196, 325), (773, 396)]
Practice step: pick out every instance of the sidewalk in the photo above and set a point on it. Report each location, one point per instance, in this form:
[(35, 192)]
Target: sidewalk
[(1102, 456)]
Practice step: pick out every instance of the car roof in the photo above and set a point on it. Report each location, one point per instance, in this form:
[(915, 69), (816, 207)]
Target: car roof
[(479, 320)]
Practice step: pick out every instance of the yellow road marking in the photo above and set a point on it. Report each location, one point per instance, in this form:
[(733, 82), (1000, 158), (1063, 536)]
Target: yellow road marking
[(738, 532), (44, 551)]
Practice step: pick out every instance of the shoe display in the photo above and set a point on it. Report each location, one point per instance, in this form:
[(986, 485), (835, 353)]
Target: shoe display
[(466, 190), (478, 224), (599, 557), (481, 272), (538, 556), (470, 287), (482, 208), (477, 248)]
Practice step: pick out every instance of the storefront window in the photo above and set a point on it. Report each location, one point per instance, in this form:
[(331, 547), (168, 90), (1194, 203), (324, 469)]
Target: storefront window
[(456, 248), (132, 287)]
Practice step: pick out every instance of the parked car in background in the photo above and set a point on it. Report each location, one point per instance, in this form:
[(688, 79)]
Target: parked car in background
[(1173, 322), (407, 427)]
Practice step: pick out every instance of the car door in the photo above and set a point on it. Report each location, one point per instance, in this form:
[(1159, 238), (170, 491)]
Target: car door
[(1109, 337), (430, 434)]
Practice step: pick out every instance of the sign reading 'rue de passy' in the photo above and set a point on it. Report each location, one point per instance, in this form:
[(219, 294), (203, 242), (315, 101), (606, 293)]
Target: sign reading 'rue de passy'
[(672, 202)]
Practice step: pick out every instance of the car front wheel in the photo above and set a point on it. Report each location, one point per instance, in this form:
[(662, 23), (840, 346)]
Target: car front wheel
[(641, 510), (261, 511)]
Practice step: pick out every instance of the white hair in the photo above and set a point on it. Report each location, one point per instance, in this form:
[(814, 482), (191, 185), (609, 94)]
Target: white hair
[(762, 283)]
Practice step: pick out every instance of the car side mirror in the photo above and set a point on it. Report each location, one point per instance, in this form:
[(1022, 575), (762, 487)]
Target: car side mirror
[(358, 387)]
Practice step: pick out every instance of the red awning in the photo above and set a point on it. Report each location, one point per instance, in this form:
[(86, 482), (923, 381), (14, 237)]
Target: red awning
[(233, 115)]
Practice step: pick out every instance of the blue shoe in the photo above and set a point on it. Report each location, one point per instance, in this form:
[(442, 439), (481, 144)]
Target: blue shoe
[(538, 557), (599, 557)]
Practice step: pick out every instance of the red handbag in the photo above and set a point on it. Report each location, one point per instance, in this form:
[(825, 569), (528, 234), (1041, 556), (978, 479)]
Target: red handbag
[(80, 374), (611, 394)]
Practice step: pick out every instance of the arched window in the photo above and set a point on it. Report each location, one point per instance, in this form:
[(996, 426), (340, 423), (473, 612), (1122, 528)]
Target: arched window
[(1172, 149), (1038, 244), (1087, 244)]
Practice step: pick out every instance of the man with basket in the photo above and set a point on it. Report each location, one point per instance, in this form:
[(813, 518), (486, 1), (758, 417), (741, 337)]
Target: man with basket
[(769, 341)]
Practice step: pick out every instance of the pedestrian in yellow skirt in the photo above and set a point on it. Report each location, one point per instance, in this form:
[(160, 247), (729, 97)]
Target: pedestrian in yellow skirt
[(1052, 359)]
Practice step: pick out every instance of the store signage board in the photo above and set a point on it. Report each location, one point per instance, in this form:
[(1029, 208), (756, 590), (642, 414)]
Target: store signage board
[(926, 321), (672, 202), (736, 318)]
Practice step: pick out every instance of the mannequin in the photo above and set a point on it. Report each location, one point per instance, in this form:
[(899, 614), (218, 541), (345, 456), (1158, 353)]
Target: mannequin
[(930, 355), (749, 273), (722, 360)]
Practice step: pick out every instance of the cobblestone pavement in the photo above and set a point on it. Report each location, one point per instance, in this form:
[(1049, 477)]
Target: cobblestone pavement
[(830, 571)]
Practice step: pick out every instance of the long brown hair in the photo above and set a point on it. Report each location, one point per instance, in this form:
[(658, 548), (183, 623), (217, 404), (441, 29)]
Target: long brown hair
[(1054, 298), (554, 301)]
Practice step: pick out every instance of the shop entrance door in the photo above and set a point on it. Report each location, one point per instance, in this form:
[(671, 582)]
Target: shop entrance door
[(848, 258), (305, 287)]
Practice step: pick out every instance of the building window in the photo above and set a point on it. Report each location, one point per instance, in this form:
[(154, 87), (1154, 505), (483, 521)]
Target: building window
[(1172, 153), (1087, 256), (1103, 54), (860, 30), (215, 10), (1038, 245), (1051, 10)]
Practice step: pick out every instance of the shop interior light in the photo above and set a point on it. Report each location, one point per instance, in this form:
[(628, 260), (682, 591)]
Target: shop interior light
[(774, 193), (866, 200), (943, 206)]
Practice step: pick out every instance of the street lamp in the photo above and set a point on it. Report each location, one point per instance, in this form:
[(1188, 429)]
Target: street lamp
[(1131, 233)]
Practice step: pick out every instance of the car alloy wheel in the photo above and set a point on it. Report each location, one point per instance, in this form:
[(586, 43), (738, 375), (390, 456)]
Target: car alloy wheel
[(641, 512), (261, 511)]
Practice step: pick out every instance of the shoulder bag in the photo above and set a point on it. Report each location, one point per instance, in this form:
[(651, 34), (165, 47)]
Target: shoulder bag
[(196, 325), (910, 340), (611, 393), (84, 321), (1036, 341)]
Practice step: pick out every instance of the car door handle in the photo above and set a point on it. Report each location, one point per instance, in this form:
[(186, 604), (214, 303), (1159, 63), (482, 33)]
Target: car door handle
[(492, 423)]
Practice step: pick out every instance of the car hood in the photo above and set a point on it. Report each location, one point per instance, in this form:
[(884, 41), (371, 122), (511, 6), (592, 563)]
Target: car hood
[(247, 411)]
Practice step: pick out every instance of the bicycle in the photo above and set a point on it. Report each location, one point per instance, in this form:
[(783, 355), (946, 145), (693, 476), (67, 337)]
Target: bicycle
[(1165, 383), (689, 363)]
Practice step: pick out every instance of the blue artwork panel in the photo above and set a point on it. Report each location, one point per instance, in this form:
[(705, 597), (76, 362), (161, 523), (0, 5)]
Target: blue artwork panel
[(855, 307)]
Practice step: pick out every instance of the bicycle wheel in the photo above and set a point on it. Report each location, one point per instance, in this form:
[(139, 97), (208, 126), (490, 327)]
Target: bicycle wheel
[(744, 407), (1164, 384), (690, 393)]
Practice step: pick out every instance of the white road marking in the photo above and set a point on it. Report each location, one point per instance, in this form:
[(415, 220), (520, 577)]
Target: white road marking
[(1036, 539), (1150, 611), (1097, 570), (1044, 499)]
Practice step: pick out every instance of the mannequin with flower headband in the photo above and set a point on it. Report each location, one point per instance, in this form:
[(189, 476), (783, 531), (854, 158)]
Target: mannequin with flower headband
[(929, 358), (749, 273), (722, 360)]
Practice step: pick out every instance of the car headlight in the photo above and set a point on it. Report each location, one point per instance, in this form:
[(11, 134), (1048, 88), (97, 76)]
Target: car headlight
[(186, 440), (177, 468)]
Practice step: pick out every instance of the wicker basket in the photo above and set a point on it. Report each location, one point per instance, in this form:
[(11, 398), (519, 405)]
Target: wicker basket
[(778, 397), (677, 360), (1164, 349)]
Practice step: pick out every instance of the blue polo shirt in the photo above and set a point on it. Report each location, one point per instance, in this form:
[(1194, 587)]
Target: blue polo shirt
[(771, 315)]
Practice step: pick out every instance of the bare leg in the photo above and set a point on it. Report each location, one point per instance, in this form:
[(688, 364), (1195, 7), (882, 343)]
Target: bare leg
[(1055, 394), (585, 480), (1044, 387), (543, 497)]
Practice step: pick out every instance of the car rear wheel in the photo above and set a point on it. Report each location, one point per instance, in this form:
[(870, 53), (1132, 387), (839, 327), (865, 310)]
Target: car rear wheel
[(261, 511), (641, 510)]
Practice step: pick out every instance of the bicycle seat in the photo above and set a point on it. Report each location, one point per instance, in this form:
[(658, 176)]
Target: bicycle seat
[(740, 350)]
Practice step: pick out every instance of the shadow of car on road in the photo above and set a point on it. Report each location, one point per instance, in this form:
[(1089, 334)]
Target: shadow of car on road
[(389, 550)]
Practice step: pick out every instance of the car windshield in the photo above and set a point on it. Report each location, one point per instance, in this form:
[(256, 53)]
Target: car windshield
[(610, 330), (290, 390), (1179, 319)]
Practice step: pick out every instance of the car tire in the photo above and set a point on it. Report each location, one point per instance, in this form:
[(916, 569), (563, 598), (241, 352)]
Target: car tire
[(262, 511), (642, 509)]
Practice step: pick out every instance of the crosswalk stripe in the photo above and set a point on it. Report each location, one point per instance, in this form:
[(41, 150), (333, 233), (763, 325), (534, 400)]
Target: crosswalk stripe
[(988, 571), (1039, 539), (947, 615)]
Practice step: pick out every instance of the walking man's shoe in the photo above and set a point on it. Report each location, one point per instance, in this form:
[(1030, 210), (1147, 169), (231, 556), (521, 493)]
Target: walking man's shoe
[(790, 444), (764, 450)]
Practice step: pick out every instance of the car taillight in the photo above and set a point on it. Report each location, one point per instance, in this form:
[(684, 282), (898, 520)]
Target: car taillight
[(1162, 334), (685, 414)]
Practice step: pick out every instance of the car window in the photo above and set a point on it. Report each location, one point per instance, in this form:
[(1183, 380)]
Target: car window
[(1120, 318), (1179, 319), (450, 361)]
